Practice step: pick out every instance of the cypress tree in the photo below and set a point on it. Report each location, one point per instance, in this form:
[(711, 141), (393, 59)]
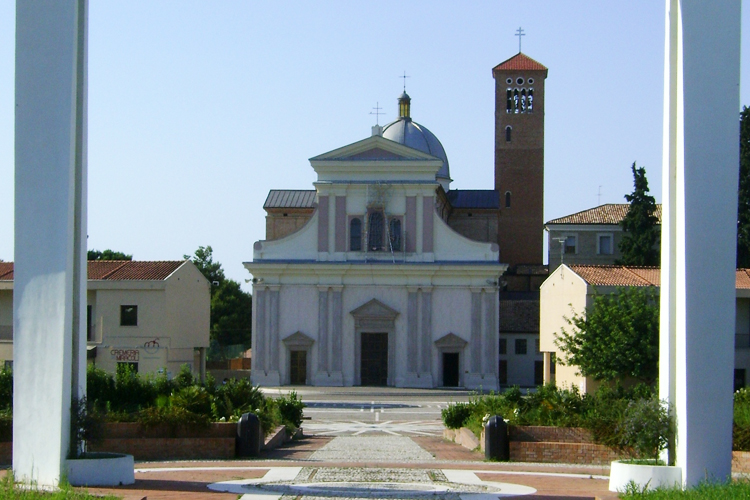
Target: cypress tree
[(639, 245), (743, 204)]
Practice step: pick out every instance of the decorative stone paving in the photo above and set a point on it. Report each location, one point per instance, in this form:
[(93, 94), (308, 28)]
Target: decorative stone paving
[(356, 428), (340, 483), (372, 449)]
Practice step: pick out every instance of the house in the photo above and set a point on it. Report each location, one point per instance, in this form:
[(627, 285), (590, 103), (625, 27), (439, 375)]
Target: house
[(384, 275), (150, 315), (570, 289), (592, 236)]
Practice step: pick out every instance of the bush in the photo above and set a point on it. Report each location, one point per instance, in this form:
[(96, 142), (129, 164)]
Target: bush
[(456, 415), (646, 427), (290, 410)]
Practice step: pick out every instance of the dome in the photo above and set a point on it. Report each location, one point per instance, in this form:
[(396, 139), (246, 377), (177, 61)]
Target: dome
[(410, 133)]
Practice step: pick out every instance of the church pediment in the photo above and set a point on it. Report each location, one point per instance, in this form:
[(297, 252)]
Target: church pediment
[(298, 340), (374, 309), (375, 148), (450, 341)]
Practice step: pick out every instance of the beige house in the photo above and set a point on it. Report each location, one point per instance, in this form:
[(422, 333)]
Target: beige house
[(153, 316), (589, 237), (570, 289)]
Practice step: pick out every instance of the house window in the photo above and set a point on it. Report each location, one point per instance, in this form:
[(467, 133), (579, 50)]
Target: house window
[(89, 328), (604, 244), (355, 235), (538, 372), (507, 133), (128, 315), (503, 346), (536, 347), (571, 244), (375, 232), (394, 228), (521, 346), (507, 199)]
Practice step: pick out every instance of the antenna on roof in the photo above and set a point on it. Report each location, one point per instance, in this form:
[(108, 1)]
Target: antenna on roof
[(519, 34), (599, 196)]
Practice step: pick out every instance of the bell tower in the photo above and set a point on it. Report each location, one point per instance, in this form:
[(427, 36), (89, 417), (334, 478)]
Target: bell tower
[(519, 158)]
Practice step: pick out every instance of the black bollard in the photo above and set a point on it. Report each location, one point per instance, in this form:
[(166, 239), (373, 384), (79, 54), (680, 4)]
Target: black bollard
[(249, 439), (496, 444)]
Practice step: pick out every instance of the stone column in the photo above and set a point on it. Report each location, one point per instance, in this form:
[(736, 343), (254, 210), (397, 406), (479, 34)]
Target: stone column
[(260, 354), (49, 306), (425, 349), (411, 331), (337, 319), (323, 330), (699, 224), (273, 328)]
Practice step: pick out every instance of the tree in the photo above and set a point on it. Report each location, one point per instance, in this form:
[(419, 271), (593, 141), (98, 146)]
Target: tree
[(743, 204), (617, 337), (231, 308), (107, 255), (639, 245), (203, 260)]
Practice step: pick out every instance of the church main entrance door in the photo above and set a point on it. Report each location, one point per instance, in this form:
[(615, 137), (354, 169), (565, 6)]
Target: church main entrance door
[(374, 359), (298, 367), (450, 369)]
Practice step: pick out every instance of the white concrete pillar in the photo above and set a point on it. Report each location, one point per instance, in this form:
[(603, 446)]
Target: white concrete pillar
[(700, 169), (49, 305)]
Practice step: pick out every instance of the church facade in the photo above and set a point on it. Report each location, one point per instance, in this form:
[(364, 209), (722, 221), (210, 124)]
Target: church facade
[(383, 275)]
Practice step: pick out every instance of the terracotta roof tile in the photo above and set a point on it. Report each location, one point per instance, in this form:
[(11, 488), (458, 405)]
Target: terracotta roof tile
[(637, 276), (116, 269), (6, 271), (610, 213), (520, 62)]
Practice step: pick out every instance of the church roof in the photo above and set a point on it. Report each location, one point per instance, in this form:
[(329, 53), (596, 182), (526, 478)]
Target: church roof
[(610, 213), (410, 133), (116, 269), (519, 62), (290, 198), (474, 198)]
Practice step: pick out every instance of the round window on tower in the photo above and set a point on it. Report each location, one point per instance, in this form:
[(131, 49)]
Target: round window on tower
[(531, 81), (509, 81), (519, 81)]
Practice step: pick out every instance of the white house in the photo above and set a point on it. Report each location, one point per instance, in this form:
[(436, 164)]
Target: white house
[(570, 289), (150, 315)]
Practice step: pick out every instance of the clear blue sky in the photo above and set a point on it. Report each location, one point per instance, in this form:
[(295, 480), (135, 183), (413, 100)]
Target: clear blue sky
[(197, 109)]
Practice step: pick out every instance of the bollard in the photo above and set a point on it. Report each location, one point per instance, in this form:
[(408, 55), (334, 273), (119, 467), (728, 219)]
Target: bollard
[(249, 439), (496, 445)]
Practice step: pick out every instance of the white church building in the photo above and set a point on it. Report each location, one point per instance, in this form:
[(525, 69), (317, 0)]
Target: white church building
[(364, 282)]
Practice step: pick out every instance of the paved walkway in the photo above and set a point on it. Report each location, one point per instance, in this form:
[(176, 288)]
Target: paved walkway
[(370, 465)]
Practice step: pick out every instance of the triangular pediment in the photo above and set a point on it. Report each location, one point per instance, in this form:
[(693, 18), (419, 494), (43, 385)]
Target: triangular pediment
[(298, 339), (374, 309), (450, 341), (375, 148)]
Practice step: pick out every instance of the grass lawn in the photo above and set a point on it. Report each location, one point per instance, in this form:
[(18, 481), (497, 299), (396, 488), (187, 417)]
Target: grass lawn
[(735, 490), (9, 491)]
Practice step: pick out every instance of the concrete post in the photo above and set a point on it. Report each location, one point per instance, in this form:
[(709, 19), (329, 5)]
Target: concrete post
[(49, 306), (700, 169)]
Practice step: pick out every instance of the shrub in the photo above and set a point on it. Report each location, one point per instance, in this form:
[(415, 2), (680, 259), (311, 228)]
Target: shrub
[(456, 415), (291, 409), (646, 427), (6, 389)]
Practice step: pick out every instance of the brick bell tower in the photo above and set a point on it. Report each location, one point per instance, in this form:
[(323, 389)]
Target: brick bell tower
[(519, 158)]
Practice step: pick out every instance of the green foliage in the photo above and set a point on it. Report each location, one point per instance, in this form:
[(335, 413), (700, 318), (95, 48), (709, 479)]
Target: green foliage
[(231, 314), (741, 428), (639, 243), (617, 337), (231, 307), (291, 409), (743, 201), (107, 255), (86, 426), (234, 398), (732, 490), (10, 490), (6, 389), (204, 261), (456, 415), (646, 427)]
